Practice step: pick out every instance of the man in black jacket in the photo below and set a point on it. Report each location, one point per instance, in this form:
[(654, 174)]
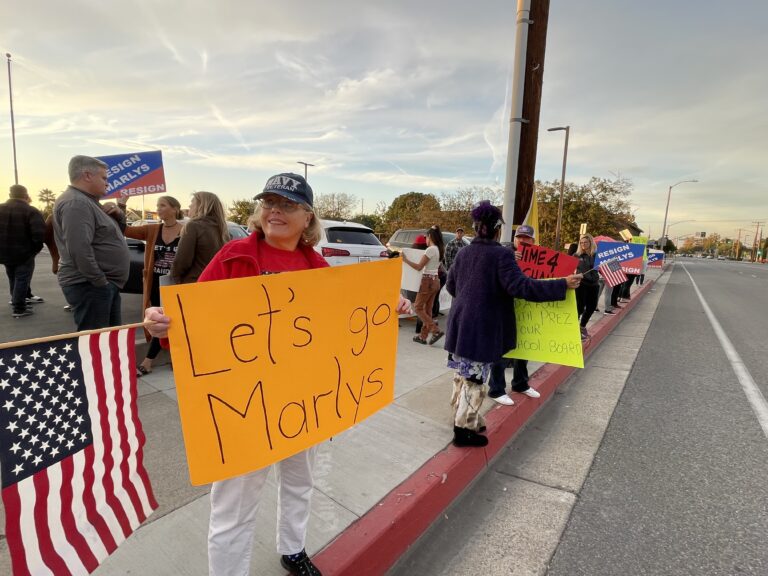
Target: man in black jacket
[(22, 231)]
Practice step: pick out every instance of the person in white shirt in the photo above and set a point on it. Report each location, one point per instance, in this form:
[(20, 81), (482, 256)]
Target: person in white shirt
[(430, 286)]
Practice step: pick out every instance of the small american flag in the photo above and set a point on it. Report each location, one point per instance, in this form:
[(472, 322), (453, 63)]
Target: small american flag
[(612, 272), (71, 452)]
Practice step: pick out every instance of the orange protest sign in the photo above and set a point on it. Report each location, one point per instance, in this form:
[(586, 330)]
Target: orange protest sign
[(268, 366)]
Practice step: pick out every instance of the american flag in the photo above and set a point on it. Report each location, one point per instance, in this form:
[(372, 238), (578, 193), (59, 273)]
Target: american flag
[(612, 272), (71, 452)]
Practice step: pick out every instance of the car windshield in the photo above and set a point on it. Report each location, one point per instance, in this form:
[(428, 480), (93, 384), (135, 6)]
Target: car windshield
[(236, 231), (352, 236)]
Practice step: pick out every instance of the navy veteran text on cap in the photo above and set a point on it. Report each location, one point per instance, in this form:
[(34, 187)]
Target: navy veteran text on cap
[(288, 185)]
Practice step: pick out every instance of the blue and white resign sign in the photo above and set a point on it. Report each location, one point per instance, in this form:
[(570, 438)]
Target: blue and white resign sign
[(629, 256), (134, 174)]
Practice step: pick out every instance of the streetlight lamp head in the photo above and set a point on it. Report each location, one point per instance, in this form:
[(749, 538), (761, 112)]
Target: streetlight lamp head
[(8, 55), (556, 128)]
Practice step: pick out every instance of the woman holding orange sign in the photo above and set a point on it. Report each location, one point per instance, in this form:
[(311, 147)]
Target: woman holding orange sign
[(286, 229)]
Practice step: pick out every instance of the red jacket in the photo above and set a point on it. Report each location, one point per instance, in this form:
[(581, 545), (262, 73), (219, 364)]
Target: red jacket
[(237, 259)]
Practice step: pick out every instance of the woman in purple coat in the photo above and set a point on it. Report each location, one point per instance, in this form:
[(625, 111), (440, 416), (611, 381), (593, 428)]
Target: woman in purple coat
[(484, 280)]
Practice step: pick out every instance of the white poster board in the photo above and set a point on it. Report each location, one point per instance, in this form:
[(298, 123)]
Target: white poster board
[(411, 278)]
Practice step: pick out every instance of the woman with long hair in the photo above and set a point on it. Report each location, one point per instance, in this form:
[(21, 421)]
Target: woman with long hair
[(162, 244), (286, 229), (203, 236), (484, 281), (589, 290), (429, 287)]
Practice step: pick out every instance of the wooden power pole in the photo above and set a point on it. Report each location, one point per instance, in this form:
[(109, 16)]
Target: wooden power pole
[(534, 79)]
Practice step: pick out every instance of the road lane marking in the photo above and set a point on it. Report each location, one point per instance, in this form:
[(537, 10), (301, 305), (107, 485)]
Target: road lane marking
[(754, 395)]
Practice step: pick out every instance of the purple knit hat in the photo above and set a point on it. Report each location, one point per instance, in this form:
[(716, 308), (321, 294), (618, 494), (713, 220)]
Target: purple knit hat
[(487, 218)]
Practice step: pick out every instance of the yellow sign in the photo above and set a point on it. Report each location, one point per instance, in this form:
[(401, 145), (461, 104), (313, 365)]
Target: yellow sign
[(626, 235), (642, 240), (268, 366), (548, 332)]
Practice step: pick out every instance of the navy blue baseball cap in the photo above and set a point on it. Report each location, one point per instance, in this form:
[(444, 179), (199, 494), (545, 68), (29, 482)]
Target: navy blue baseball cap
[(288, 185), (525, 230)]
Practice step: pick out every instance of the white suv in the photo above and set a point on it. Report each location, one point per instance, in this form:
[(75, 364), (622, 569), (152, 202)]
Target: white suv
[(349, 243)]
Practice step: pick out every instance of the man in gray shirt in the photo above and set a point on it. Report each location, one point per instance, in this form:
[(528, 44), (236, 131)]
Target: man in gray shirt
[(94, 258)]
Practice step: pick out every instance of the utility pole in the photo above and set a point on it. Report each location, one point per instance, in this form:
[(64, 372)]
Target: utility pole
[(754, 241), (13, 126), (738, 243), (529, 131), (530, 44)]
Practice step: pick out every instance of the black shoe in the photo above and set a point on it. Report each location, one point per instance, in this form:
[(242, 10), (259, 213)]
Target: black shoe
[(464, 437), (25, 312), (301, 566), (435, 337)]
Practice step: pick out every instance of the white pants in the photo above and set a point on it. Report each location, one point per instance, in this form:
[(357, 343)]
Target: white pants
[(235, 502)]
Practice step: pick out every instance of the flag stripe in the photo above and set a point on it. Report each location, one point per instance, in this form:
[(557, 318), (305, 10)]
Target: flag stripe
[(99, 515), (112, 399), (102, 440), (29, 539), (68, 523), (93, 510), (133, 506), (47, 551), (89, 523), (55, 502), (12, 501), (137, 439)]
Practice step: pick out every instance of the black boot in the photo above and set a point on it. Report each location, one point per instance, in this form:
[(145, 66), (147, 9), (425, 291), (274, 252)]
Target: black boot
[(464, 437)]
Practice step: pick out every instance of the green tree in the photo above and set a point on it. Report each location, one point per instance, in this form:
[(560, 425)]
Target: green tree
[(457, 206), (48, 198), (603, 204), (373, 221), (240, 210), (335, 206), (412, 210)]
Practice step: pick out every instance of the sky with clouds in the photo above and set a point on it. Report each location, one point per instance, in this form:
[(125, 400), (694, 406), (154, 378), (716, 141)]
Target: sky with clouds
[(388, 97)]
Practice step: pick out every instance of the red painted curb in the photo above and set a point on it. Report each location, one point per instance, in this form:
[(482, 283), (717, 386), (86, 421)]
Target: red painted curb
[(373, 543)]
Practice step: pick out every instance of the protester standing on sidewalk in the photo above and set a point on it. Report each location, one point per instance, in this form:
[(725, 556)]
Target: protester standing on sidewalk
[(93, 256), (484, 280), (22, 232), (588, 291), (430, 286), (202, 237), (419, 243), (286, 231), (496, 385), (162, 242), (453, 247)]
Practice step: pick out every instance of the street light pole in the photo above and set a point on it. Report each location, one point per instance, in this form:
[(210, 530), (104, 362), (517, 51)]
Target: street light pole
[(305, 167), (13, 126), (562, 184), (666, 212)]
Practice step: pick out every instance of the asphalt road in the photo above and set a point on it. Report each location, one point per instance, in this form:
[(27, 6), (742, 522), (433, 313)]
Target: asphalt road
[(50, 317), (676, 485)]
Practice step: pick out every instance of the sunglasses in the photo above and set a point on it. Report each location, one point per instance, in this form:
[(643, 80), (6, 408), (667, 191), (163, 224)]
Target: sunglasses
[(282, 204)]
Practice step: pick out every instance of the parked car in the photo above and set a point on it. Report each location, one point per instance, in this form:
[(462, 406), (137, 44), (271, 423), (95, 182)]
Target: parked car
[(349, 243), (135, 283), (405, 237)]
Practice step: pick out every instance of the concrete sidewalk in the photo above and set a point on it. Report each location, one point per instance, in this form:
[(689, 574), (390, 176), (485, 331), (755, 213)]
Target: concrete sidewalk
[(379, 485)]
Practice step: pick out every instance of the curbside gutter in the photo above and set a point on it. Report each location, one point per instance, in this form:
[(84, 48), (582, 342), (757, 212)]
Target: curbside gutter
[(374, 542)]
